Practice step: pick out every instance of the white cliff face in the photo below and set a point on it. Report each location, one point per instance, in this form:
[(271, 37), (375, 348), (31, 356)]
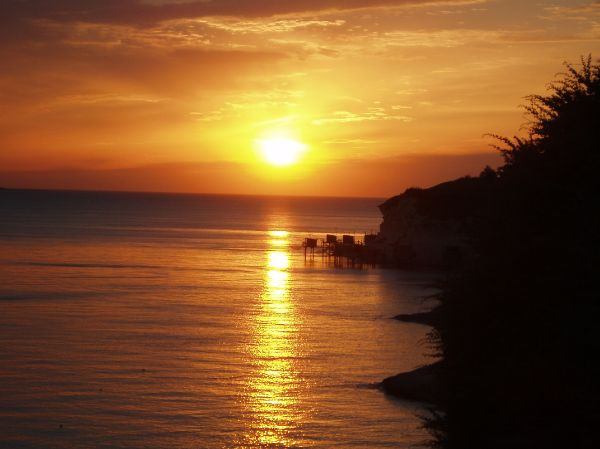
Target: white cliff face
[(408, 238)]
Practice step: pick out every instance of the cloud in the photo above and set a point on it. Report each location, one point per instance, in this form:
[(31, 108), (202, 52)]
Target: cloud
[(138, 12), (370, 177), (576, 12), (45, 73), (434, 39), (169, 177), (370, 115), (268, 26), (392, 175)]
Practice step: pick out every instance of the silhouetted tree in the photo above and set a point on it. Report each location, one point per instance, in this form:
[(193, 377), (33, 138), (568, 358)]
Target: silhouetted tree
[(517, 328)]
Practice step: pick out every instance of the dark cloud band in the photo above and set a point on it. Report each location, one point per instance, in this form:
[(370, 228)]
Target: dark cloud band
[(139, 12)]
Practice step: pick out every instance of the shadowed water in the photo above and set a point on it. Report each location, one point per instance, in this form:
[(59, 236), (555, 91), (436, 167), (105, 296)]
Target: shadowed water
[(182, 321)]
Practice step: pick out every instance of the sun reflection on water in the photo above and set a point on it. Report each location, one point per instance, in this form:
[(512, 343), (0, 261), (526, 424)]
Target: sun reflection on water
[(273, 386)]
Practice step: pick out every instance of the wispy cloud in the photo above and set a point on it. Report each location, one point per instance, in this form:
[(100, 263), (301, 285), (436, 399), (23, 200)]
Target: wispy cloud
[(370, 115), (139, 12), (267, 26)]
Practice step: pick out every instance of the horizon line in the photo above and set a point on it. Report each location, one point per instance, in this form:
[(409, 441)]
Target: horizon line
[(5, 188)]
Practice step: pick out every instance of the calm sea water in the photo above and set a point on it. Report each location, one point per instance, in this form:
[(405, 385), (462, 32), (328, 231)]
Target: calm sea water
[(189, 321)]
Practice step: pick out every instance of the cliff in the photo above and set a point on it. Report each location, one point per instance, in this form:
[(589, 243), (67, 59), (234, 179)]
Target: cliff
[(428, 227)]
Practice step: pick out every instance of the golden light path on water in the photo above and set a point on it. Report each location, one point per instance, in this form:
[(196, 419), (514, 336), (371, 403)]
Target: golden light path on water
[(273, 386)]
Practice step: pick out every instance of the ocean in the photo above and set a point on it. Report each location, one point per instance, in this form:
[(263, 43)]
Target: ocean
[(135, 320)]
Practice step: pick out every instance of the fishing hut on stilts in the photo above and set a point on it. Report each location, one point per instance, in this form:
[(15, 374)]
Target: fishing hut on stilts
[(309, 246), (347, 251)]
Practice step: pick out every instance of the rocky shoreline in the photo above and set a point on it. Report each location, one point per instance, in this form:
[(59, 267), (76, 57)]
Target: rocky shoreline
[(426, 318), (420, 384)]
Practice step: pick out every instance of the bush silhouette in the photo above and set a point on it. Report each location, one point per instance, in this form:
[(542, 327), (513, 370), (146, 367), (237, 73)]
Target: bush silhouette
[(517, 327)]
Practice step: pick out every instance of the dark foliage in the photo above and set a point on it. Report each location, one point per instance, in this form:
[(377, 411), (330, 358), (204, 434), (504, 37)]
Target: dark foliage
[(518, 327)]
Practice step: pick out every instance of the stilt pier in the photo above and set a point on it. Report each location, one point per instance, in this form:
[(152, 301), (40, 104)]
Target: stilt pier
[(345, 251)]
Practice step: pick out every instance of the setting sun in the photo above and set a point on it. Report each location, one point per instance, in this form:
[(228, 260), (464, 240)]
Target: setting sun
[(280, 151)]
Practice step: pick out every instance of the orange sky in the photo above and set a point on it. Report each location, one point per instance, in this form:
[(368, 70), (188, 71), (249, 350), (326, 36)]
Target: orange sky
[(173, 95)]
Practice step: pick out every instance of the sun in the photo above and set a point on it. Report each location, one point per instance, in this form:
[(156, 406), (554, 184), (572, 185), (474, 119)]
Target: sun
[(281, 152)]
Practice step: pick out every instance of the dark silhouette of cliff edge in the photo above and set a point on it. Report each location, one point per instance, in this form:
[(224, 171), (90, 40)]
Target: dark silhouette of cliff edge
[(431, 228), (517, 324)]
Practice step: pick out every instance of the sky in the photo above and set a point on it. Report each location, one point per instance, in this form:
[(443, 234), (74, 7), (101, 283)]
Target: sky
[(177, 96)]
